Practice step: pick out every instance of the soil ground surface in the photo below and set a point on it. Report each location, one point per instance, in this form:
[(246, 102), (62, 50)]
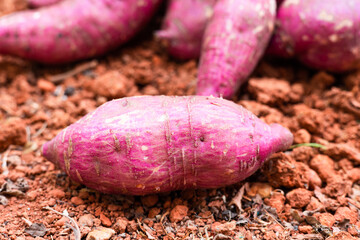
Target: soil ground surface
[(303, 193)]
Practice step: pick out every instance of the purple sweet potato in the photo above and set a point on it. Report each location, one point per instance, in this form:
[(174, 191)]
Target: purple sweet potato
[(184, 25), (234, 40), (73, 29), (321, 34), (149, 144), (41, 3)]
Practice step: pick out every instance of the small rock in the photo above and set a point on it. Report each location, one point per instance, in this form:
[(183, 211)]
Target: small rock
[(269, 90), (113, 207), (315, 204), (83, 194), (12, 132), (150, 200), (216, 203), (32, 195), (305, 229), (343, 213), (112, 84), (153, 212), (132, 226), (299, 197), (139, 211), (61, 222), (277, 201), (302, 136), (326, 219), (105, 220), (338, 187), (120, 224), (223, 228), (322, 80), (263, 189), (178, 213), (150, 90), (45, 85), (57, 193), (100, 233), (51, 202), (86, 220), (77, 201), (303, 154), (314, 179), (323, 165), (341, 236)]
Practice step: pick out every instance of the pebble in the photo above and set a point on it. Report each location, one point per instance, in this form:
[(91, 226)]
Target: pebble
[(306, 229), (323, 165), (299, 197), (105, 220), (326, 219), (315, 204), (343, 213), (263, 189), (100, 233), (77, 201), (153, 212), (150, 200), (302, 136), (86, 220), (61, 222), (45, 85), (223, 227), (32, 195), (112, 84), (341, 236), (120, 224), (277, 201), (83, 194), (178, 213), (139, 210), (57, 193), (314, 179)]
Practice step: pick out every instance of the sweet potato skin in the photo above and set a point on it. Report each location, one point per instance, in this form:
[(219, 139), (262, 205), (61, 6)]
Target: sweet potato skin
[(73, 29), (321, 34), (234, 40), (184, 25), (150, 144)]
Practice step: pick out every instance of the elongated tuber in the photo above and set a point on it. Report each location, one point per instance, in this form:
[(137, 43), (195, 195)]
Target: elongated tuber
[(150, 144)]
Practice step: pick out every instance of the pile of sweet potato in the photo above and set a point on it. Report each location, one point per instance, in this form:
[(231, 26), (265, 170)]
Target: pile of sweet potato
[(229, 37), (142, 145)]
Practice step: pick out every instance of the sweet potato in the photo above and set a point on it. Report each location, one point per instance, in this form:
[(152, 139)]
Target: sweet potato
[(73, 29), (184, 25), (321, 34), (41, 3), (149, 144), (234, 40)]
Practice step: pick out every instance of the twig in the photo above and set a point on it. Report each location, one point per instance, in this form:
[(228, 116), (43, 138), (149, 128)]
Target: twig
[(164, 215), (80, 68), (144, 230), (162, 219), (206, 233), (274, 218), (28, 134), (75, 229), (27, 221), (40, 131), (4, 162)]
